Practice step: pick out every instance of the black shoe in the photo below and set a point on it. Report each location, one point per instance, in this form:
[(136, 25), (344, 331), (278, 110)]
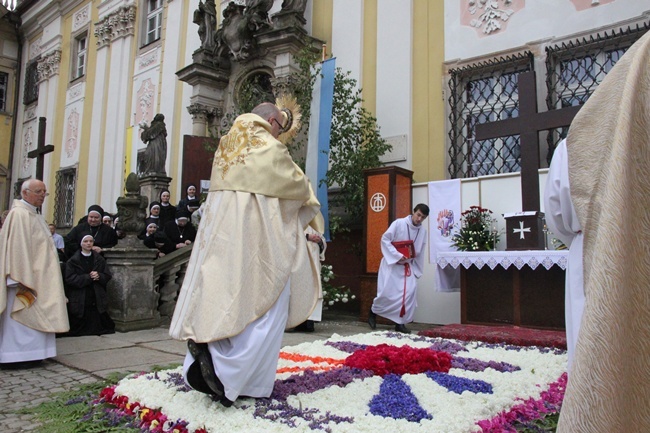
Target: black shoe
[(225, 402), (372, 320), (306, 326), (403, 329), (201, 354), (195, 379)]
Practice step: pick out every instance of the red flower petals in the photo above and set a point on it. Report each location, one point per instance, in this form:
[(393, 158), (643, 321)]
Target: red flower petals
[(385, 359)]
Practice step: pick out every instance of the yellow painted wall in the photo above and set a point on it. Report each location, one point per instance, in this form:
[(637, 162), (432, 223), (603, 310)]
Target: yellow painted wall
[(428, 104), (321, 26), (369, 73)]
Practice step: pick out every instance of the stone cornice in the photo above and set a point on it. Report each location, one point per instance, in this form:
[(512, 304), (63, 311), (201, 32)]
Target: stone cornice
[(118, 24)]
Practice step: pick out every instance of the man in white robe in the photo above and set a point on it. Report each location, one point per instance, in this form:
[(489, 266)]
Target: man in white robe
[(608, 158), (32, 300), (316, 247), (562, 220), (249, 275), (397, 279)]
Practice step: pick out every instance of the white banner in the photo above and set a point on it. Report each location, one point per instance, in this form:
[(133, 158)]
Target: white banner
[(444, 204)]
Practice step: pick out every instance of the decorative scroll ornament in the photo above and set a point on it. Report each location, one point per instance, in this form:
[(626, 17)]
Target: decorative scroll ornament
[(491, 14)]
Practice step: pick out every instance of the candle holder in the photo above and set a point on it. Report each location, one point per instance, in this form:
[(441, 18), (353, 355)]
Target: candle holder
[(545, 230)]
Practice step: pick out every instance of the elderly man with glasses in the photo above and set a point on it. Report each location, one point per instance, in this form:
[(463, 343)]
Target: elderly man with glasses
[(32, 300)]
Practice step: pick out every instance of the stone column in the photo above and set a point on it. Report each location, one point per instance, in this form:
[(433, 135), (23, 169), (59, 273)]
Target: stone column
[(209, 77), (132, 300)]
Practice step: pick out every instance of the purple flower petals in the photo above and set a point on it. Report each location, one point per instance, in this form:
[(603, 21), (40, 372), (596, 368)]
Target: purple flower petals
[(395, 400), (460, 384), (472, 364), (346, 346), (309, 381)]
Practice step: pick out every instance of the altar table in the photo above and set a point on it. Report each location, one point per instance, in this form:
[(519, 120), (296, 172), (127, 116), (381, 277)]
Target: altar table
[(522, 288)]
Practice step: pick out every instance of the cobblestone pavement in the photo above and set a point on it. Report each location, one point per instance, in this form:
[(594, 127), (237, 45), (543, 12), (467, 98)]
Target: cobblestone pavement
[(83, 360), (30, 387)]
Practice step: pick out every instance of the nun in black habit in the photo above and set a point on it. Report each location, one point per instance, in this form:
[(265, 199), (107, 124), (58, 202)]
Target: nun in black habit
[(86, 277), (103, 235)]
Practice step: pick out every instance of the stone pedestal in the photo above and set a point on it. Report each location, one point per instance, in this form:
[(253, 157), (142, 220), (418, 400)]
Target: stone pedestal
[(151, 184), (132, 301), (209, 80)]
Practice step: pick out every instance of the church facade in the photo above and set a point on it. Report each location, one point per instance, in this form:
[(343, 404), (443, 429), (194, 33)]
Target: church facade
[(430, 71)]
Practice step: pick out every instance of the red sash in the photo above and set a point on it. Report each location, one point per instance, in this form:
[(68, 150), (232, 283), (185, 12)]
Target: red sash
[(407, 273)]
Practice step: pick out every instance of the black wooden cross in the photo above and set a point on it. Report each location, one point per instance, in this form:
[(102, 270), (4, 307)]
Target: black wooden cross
[(41, 149), (528, 125)]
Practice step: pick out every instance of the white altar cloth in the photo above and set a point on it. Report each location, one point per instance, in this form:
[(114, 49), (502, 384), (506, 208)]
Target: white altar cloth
[(492, 259)]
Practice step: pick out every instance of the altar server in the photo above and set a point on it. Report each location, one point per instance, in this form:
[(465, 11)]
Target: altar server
[(399, 270)]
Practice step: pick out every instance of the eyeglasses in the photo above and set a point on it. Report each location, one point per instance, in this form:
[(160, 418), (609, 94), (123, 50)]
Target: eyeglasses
[(39, 192), (279, 124)]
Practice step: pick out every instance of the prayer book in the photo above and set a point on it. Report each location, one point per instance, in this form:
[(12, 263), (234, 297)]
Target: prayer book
[(405, 248)]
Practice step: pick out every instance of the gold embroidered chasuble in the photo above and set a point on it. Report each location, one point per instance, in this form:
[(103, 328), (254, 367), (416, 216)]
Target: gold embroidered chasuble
[(250, 240), (28, 255), (609, 172)]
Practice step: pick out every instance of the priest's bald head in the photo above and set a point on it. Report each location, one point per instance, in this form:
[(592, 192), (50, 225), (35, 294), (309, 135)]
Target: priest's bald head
[(33, 191), (272, 114)]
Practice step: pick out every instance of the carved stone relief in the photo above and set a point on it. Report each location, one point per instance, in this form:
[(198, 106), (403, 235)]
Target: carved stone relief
[(204, 113), (28, 140), (81, 18), (48, 65), (35, 49), (72, 133), (490, 16), (116, 25), (145, 97)]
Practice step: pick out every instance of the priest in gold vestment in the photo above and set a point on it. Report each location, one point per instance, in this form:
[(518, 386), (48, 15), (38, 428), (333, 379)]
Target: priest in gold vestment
[(249, 275), (608, 157), (32, 300)]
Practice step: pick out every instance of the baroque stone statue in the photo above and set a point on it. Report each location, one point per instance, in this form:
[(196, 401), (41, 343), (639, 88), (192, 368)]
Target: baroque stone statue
[(206, 18), (155, 136), (298, 6)]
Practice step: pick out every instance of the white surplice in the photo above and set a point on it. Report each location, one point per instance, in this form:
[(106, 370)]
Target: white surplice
[(246, 364), (562, 220), (19, 343), (391, 278)]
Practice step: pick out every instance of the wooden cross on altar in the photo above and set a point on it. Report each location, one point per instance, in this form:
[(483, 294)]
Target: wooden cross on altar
[(527, 126), (41, 149)]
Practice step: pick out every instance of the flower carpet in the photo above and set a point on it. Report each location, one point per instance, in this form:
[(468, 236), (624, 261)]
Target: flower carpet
[(514, 335), (379, 381)]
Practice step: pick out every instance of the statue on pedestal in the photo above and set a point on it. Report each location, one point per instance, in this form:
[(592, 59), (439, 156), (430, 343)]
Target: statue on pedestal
[(206, 18), (155, 135), (298, 6)]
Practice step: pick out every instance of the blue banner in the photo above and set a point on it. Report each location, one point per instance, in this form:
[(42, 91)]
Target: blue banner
[(318, 145)]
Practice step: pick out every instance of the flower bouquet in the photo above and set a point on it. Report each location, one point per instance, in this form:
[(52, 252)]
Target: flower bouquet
[(331, 293), (477, 230)]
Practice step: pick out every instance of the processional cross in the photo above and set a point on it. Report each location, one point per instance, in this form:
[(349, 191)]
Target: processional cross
[(41, 149), (527, 126)]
